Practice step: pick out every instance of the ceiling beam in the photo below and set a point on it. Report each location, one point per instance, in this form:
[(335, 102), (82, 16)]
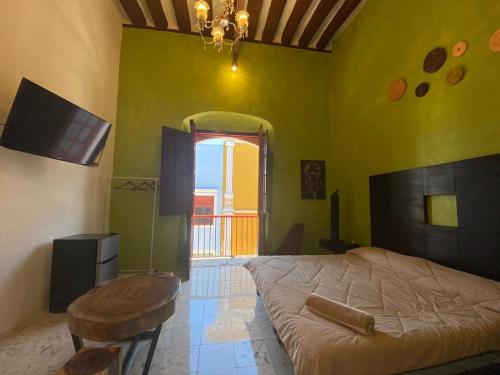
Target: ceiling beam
[(344, 12), (273, 17), (319, 15), (182, 15), (158, 14), (293, 22), (254, 7), (134, 12), (240, 5), (129, 26), (210, 10)]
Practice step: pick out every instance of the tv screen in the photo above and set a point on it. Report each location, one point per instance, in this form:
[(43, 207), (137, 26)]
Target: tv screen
[(42, 123)]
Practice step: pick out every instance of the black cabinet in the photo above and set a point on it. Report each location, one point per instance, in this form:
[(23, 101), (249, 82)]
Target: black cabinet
[(79, 263)]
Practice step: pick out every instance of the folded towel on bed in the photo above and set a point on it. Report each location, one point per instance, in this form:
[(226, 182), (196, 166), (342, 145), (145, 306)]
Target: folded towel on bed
[(358, 320)]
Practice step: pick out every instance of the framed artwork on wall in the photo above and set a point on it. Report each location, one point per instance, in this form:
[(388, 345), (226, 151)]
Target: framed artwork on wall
[(312, 179)]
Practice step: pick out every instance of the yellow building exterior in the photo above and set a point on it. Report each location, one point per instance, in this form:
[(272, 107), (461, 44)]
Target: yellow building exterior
[(242, 201)]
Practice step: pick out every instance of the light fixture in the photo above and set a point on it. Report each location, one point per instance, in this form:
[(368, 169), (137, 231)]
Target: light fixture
[(234, 66), (218, 36), (202, 8), (221, 24)]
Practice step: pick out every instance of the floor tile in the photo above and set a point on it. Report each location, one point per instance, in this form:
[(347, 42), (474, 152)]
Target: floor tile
[(216, 333), (185, 336), (222, 316), (251, 331), (276, 352), (187, 319), (270, 369), (22, 365), (172, 360), (216, 304), (231, 371), (251, 353), (216, 357)]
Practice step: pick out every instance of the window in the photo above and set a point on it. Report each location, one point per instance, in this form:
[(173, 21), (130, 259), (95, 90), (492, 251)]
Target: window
[(203, 206)]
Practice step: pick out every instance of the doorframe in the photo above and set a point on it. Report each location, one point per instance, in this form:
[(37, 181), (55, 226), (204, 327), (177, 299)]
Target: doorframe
[(250, 137)]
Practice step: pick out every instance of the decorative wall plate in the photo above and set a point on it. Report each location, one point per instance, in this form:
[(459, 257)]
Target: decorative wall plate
[(459, 49), (494, 42), (455, 75), (434, 60), (422, 89), (397, 89)]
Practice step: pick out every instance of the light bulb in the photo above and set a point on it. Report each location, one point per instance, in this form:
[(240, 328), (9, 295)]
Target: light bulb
[(234, 66), (241, 18), (202, 8), (218, 35)]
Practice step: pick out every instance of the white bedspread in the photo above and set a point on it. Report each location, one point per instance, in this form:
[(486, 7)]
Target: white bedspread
[(425, 314)]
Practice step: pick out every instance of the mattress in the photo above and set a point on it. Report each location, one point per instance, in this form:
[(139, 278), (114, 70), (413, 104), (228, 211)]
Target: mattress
[(425, 314)]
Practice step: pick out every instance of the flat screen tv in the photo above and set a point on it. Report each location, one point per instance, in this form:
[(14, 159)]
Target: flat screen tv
[(42, 123)]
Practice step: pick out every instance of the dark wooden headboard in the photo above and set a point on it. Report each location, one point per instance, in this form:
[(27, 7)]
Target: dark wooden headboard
[(399, 214)]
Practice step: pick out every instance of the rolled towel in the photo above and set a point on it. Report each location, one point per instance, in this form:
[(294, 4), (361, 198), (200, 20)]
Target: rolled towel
[(358, 320)]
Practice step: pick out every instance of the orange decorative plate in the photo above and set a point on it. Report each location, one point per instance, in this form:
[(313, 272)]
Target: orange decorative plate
[(494, 42), (459, 49), (397, 89)]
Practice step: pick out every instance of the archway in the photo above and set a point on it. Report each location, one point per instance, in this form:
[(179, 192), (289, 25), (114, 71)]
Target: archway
[(240, 135), (229, 122)]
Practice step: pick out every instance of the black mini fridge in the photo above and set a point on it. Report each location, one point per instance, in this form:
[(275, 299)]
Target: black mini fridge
[(79, 263)]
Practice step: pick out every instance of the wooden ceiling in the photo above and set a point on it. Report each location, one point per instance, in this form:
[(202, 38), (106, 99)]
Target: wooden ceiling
[(306, 24)]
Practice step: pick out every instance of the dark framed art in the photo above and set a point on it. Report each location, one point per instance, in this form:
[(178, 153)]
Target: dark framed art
[(312, 179)]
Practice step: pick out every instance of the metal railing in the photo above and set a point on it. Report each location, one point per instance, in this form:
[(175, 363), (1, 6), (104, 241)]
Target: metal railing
[(224, 235)]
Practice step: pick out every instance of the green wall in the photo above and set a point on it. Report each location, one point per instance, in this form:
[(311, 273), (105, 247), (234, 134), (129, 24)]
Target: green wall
[(387, 40), (166, 77)]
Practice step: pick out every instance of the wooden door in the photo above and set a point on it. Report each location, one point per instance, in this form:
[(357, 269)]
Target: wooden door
[(177, 183), (263, 190)]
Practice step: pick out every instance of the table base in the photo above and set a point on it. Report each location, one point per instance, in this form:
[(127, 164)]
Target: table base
[(148, 335)]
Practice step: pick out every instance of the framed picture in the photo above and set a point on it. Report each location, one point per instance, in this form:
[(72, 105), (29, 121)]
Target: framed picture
[(312, 179)]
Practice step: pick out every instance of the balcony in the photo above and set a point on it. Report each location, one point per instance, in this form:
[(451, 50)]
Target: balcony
[(224, 235)]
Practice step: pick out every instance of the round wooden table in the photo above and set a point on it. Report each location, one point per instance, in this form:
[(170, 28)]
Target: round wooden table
[(132, 307)]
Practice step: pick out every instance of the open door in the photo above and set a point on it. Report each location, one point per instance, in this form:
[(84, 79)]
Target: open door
[(177, 183), (263, 190)]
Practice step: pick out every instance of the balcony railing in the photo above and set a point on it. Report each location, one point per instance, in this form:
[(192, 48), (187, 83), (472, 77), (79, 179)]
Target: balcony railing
[(224, 235)]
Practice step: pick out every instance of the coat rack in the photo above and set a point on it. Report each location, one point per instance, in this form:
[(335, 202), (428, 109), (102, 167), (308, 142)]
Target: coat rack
[(143, 184)]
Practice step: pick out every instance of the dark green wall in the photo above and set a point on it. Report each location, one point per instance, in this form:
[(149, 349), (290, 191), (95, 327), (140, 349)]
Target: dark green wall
[(387, 40), (166, 77)]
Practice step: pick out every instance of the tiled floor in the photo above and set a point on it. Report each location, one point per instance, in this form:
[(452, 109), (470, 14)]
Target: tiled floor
[(220, 328)]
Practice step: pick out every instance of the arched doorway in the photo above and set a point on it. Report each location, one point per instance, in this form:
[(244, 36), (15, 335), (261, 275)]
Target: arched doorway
[(238, 204), (225, 214)]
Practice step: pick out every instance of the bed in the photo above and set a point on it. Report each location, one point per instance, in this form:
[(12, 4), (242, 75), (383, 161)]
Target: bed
[(425, 314), (435, 295)]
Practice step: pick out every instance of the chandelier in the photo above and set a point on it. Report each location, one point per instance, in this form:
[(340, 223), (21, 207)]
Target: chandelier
[(221, 25)]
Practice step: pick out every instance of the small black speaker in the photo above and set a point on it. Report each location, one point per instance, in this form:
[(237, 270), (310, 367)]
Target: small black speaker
[(335, 218)]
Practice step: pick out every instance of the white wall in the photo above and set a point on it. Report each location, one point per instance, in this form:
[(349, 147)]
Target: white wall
[(71, 47)]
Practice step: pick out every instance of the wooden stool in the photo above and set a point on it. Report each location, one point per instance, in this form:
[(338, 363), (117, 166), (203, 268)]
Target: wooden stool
[(93, 361)]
